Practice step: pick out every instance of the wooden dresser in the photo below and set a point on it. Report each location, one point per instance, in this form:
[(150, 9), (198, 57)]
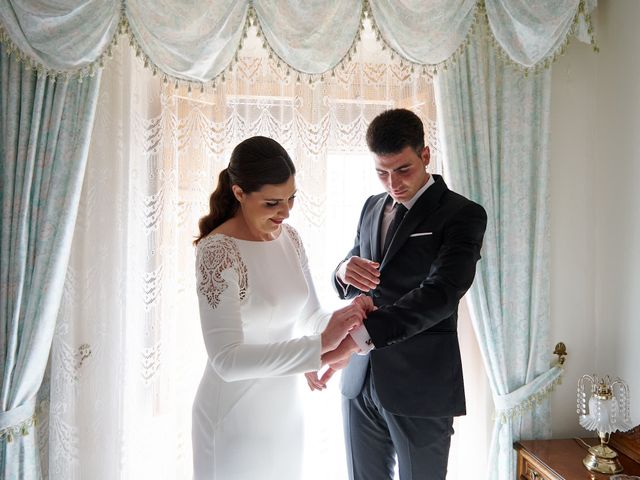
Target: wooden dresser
[(562, 459)]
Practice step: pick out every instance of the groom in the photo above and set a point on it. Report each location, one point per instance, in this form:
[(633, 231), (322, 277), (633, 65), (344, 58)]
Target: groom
[(415, 254)]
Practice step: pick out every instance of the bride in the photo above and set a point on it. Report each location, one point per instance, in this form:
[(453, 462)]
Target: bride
[(254, 291)]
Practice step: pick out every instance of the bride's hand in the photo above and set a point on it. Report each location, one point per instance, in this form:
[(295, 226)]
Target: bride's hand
[(340, 356), (314, 382), (339, 325), (338, 359), (365, 301)]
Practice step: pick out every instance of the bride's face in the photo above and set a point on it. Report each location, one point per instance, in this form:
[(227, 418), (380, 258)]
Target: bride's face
[(266, 209)]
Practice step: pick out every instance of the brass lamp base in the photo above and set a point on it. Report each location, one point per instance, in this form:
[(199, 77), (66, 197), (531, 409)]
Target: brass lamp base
[(602, 459)]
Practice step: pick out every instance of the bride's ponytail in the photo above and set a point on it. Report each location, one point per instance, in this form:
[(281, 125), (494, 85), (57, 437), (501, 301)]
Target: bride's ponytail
[(222, 206)]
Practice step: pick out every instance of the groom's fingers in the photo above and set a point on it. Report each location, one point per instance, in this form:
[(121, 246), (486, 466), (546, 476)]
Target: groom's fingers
[(365, 264), (364, 276), (362, 273)]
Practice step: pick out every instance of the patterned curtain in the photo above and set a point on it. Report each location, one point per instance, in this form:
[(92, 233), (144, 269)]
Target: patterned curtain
[(44, 139), (312, 38), (496, 153)]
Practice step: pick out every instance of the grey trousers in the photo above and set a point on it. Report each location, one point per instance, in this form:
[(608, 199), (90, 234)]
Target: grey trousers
[(374, 437)]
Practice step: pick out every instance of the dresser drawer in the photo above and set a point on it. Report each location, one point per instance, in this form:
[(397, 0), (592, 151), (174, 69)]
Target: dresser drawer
[(530, 471), (530, 468)]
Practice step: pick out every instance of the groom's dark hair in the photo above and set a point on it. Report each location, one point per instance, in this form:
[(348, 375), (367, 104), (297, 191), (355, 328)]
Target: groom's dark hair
[(393, 130)]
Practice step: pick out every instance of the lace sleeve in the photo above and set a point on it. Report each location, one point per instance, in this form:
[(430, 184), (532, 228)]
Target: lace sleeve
[(215, 255)]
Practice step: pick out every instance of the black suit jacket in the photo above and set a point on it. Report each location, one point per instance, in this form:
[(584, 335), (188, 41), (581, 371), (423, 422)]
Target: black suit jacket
[(429, 266)]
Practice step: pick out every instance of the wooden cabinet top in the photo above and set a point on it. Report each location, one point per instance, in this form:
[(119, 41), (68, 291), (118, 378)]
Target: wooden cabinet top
[(564, 458)]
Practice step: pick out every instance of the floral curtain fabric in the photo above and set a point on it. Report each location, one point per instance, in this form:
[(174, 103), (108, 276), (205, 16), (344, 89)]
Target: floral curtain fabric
[(495, 140), (44, 139), (197, 41)]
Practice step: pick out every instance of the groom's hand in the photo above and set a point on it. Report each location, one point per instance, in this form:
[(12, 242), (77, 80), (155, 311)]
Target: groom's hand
[(359, 272)]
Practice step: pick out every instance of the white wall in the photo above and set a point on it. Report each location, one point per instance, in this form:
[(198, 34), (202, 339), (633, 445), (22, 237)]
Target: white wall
[(595, 209), (617, 230)]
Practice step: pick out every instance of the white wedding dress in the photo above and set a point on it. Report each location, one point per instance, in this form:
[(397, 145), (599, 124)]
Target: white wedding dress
[(247, 415)]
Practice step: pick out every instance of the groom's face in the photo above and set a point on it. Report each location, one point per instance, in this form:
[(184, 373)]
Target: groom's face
[(402, 174)]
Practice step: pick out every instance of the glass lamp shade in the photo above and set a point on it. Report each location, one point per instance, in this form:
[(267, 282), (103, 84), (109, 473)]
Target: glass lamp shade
[(604, 416)]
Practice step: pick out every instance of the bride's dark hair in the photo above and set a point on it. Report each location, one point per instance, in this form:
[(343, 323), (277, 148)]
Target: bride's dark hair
[(254, 163)]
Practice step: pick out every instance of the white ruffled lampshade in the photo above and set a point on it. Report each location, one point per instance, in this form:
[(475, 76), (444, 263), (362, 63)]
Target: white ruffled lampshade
[(605, 416)]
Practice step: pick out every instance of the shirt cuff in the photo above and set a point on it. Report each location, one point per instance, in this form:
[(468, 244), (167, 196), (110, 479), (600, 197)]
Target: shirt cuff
[(360, 335), (343, 285)]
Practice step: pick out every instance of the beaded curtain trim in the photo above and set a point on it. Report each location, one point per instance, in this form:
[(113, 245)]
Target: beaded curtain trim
[(480, 19)]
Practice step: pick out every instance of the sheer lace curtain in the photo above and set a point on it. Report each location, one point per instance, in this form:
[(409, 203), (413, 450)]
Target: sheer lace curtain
[(127, 353)]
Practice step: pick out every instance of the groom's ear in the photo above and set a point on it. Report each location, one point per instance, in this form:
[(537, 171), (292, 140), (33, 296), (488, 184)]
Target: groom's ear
[(425, 155)]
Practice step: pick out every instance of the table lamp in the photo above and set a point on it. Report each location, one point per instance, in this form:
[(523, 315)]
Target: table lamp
[(607, 411)]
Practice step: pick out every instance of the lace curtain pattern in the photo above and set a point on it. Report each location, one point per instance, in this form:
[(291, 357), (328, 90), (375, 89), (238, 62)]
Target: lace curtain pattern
[(127, 352)]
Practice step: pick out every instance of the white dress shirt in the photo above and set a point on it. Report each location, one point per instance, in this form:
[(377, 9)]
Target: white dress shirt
[(360, 334)]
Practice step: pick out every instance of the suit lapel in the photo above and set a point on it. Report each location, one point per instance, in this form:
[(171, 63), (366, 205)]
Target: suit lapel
[(426, 204), (378, 210)]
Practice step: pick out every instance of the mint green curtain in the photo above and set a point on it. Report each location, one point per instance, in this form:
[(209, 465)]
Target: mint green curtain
[(495, 123), (197, 41), (44, 139)]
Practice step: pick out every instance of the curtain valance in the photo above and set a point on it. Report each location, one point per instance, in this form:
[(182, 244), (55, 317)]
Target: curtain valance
[(197, 40)]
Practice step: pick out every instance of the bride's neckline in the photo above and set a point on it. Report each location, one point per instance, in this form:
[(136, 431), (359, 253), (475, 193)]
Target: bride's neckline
[(251, 241)]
